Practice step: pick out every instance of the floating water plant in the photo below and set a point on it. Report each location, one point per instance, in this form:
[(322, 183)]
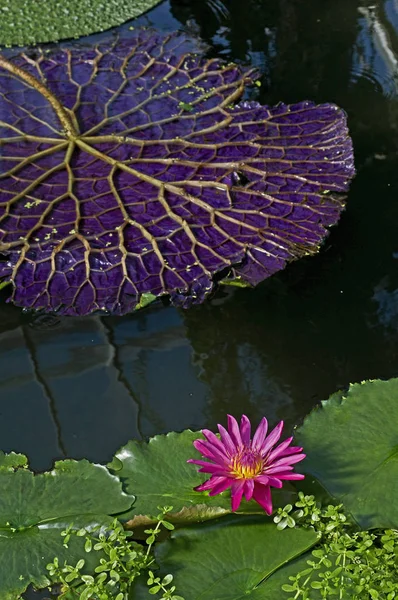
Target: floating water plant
[(128, 170)]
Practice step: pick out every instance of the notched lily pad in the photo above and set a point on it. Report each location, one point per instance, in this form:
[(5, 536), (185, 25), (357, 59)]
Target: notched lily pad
[(159, 472), (34, 509), (111, 190)]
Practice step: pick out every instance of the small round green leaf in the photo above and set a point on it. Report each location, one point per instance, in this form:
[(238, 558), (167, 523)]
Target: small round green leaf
[(351, 443)]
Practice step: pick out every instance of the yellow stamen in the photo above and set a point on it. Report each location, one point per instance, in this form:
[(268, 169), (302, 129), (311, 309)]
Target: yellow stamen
[(246, 465)]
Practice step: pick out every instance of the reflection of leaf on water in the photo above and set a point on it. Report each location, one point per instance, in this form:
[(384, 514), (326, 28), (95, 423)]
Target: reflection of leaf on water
[(111, 189), (97, 371), (387, 301), (236, 369), (374, 49)]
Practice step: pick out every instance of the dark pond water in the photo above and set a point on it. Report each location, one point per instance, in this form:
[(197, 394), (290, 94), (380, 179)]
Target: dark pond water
[(82, 387)]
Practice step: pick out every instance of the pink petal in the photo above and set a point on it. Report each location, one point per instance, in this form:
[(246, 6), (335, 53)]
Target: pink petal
[(209, 484), (221, 486), (260, 435), (263, 479), (229, 446), (262, 495), (275, 482), (275, 470), (271, 439), (288, 460), (208, 467), (210, 451), (234, 432), (237, 493), (248, 489), (281, 449), (288, 452), (214, 440), (245, 430), (291, 476)]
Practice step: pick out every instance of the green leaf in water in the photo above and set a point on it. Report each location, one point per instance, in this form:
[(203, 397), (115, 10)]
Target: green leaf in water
[(3, 284), (351, 443), (231, 559), (35, 509), (32, 21)]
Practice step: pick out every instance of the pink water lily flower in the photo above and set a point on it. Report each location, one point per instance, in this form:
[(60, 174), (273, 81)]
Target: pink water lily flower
[(250, 467)]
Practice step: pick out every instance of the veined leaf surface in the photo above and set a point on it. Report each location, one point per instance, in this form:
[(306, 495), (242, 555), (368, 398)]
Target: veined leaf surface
[(127, 169)]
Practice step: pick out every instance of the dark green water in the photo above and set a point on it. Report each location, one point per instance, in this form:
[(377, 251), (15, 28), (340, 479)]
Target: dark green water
[(83, 387)]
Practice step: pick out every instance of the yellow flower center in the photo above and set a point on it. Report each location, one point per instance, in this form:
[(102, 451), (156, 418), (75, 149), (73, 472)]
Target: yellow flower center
[(246, 465)]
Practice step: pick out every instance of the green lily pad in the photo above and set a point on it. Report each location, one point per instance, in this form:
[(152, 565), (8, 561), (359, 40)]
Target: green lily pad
[(158, 474), (34, 509), (351, 443), (36, 21), (231, 559)]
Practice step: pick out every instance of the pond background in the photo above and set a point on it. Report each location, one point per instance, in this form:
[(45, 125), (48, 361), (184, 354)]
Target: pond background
[(81, 387)]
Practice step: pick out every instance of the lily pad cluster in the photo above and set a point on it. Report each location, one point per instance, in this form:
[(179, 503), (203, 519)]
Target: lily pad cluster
[(131, 169), (212, 553)]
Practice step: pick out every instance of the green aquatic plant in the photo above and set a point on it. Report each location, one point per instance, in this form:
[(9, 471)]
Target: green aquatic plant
[(26, 22), (120, 560), (347, 563), (34, 509), (332, 540)]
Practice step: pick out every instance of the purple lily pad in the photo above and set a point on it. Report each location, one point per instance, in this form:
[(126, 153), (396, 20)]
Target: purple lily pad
[(127, 169)]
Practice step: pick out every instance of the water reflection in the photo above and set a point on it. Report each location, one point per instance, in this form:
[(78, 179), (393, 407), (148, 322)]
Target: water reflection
[(88, 385), (374, 56)]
